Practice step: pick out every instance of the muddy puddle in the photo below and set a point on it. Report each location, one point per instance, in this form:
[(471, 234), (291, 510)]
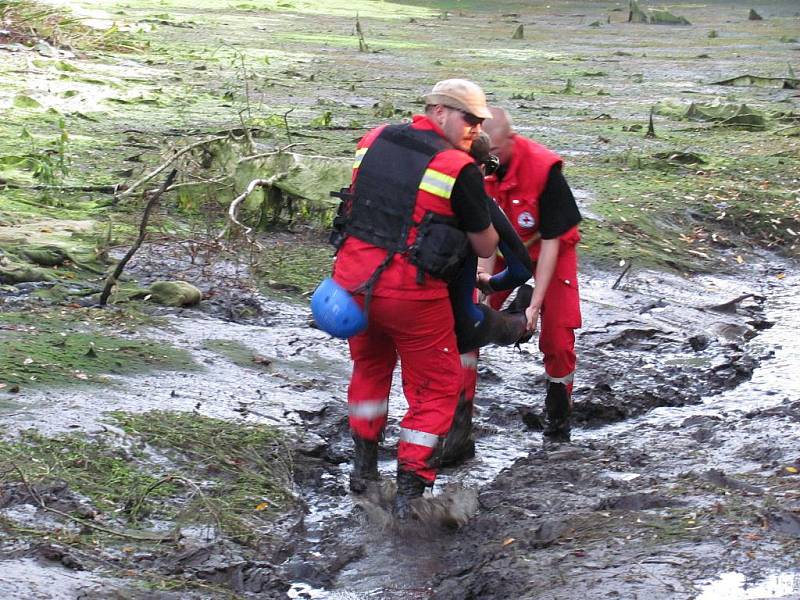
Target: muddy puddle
[(652, 409), (681, 480)]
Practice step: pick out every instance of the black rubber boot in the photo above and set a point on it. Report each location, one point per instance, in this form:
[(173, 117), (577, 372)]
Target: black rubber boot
[(558, 407), (517, 306), (365, 465), (521, 300), (459, 445), (409, 488), (497, 327)]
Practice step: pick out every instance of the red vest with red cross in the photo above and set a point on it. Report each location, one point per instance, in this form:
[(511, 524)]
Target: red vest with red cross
[(520, 189)]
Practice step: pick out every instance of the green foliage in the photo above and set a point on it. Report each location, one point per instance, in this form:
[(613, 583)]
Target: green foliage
[(323, 120), (244, 470), (235, 351), (48, 163), (60, 27), (98, 469)]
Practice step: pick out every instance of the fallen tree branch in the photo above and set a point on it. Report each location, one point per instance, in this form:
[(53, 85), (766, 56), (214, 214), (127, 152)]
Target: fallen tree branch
[(112, 279), (137, 184), (103, 189), (624, 272), (233, 209)]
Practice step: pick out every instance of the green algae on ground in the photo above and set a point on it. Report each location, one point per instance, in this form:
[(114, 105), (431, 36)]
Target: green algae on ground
[(96, 468), (294, 266), (249, 466), (76, 345), (181, 467), (217, 74), (238, 353)]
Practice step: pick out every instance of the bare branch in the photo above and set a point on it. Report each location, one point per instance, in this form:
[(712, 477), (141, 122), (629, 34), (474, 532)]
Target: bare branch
[(112, 279), (134, 186), (233, 209), (265, 154)]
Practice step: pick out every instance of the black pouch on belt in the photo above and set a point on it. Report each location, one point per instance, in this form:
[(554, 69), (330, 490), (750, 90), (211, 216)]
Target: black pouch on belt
[(439, 248)]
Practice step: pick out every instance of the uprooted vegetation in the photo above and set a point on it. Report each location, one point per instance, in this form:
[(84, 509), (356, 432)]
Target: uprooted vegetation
[(28, 23), (227, 116), (140, 490)]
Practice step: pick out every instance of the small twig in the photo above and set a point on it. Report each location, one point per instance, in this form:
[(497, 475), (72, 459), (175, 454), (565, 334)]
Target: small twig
[(144, 538), (265, 154), (651, 130), (247, 133), (624, 271), (137, 184), (112, 279), (198, 182), (186, 482), (286, 124)]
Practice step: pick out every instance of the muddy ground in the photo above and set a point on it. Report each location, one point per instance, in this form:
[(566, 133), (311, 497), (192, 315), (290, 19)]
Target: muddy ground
[(156, 452)]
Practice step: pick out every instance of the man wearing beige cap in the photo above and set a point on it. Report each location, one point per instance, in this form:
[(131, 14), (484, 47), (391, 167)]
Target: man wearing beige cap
[(415, 206)]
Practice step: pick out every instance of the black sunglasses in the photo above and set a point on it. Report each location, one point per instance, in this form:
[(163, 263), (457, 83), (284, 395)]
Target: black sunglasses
[(469, 118)]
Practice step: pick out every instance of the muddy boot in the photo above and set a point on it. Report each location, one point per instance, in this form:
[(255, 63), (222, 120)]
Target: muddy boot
[(558, 407), (521, 300), (497, 327), (459, 445), (518, 306), (365, 465), (409, 487)]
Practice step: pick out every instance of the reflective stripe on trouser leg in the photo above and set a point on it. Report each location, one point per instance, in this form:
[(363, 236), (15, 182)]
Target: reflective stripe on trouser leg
[(565, 379), (432, 382), (469, 374), (558, 346), (418, 438), (374, 359), (368, 409)]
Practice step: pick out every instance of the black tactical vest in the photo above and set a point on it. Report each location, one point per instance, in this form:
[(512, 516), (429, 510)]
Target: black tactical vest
[(387, 184)]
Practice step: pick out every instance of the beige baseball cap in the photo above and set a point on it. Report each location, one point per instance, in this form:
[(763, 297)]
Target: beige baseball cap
[(462, 94)]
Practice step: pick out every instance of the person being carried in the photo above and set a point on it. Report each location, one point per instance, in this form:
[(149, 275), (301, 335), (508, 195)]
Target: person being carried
[(531, 190), (477, 324), (415, 207)]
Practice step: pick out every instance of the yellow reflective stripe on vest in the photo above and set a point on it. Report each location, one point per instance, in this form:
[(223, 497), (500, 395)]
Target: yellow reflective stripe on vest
[(359, 157), (437, 183)]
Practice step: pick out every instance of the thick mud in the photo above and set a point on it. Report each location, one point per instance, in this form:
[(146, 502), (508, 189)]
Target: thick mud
[(686, 407), (682, 478)]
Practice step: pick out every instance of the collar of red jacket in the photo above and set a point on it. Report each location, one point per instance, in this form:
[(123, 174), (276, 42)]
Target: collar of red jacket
[(424, 123)]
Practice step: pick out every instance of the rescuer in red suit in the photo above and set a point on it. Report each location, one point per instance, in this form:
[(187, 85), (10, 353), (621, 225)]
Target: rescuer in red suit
[(415, 206), (532, 191)]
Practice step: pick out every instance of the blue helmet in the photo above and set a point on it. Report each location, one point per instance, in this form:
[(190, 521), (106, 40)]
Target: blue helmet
[(335, 311)]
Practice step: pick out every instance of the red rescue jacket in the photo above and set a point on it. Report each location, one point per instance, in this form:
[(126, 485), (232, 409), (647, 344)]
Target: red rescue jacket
[(356, 260), (519, 192)]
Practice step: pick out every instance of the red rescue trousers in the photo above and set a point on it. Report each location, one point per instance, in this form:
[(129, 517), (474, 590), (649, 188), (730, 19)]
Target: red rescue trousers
[(560, 315), (421, 333)]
